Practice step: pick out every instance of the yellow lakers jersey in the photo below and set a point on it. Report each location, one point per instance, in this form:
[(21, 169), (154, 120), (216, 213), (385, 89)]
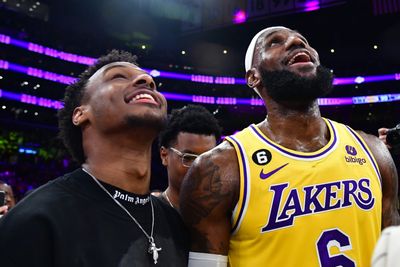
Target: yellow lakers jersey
[(321, 208)]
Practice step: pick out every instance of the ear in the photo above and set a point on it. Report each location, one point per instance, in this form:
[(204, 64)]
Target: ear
[(79, 116), (253, 78), (164, 156)]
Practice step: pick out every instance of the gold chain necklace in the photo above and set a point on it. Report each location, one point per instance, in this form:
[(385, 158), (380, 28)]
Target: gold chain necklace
[(153, 249)]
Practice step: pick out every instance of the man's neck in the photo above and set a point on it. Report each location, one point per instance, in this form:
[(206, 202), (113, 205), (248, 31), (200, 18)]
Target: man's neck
[(304, 131), (123, 163)]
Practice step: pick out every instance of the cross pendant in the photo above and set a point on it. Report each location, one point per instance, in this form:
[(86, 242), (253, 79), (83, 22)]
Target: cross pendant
[(154, 250)]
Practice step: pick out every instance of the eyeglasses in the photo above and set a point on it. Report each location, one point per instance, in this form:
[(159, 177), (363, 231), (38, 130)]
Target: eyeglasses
[(187, 158)]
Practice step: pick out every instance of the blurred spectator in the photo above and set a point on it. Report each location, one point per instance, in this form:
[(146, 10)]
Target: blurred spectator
[(391, 138), (382, 136), (10, 199), (191, 131)]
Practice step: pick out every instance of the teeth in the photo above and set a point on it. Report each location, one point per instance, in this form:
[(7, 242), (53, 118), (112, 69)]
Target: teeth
[(141, 96), (291, 61)]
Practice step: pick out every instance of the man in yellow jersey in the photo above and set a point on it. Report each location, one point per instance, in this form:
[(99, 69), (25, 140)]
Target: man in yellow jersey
[(295, 189)]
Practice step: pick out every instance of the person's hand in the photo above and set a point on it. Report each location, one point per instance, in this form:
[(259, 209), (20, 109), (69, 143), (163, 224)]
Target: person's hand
[(3, 209), (382, 135)]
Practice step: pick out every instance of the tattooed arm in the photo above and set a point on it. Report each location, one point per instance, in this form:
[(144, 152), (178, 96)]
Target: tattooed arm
[(390, 214), (208, 195)]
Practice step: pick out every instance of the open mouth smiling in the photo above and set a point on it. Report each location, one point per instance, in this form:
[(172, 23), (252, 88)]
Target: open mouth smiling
[(299, 57), (141, 97)]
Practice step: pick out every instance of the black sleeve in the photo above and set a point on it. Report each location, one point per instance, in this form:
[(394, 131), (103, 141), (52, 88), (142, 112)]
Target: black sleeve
[(25, 239)]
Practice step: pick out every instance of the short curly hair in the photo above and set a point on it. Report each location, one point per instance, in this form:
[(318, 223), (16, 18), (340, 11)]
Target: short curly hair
[(71, 134), (190, 119)]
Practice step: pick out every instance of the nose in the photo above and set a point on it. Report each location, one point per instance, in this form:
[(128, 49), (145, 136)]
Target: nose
[(145, 79), (295, 41)]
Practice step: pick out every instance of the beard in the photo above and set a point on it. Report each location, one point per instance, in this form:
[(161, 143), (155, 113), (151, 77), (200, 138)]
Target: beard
[(286, 86), (153, 122)]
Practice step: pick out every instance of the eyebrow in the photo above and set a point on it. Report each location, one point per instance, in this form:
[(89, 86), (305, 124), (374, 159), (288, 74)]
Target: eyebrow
[(119, 66), (299, 34), (270, 33)]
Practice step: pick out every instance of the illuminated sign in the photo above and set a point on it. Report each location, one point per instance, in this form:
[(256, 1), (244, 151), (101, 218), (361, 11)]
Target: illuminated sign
[(265, 8)]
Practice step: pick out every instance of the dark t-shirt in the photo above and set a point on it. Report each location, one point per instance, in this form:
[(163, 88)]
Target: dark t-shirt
[(71, 221)]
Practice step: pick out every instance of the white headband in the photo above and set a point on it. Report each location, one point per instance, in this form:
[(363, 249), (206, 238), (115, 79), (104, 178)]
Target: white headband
[(248, 61)]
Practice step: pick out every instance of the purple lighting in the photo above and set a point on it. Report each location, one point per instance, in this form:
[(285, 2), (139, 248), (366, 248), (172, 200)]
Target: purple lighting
[(9, 95), (177, 97), (42, 74), (202, 78), (239, 17), (33, 100), (54, 104), (195, 78), (311, 6), (163, 74), (4, 64), (5, 39), (46, 50), (335, 101), (378, 78), (40, 101), (225, 80), (226, 100), (172, 75), (203, 99)]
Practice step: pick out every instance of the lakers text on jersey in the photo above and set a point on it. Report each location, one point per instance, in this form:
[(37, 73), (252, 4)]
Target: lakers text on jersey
[(321, 208)]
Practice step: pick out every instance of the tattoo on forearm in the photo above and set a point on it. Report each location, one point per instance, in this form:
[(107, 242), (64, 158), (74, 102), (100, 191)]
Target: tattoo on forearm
[(206, 192), (203, 243)]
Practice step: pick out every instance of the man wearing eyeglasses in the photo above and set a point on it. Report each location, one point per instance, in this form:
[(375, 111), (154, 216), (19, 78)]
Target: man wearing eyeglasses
[(191, 131)]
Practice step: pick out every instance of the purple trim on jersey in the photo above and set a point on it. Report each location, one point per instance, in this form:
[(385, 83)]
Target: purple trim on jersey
[(367, 152), (297, 155), (244, 184)]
